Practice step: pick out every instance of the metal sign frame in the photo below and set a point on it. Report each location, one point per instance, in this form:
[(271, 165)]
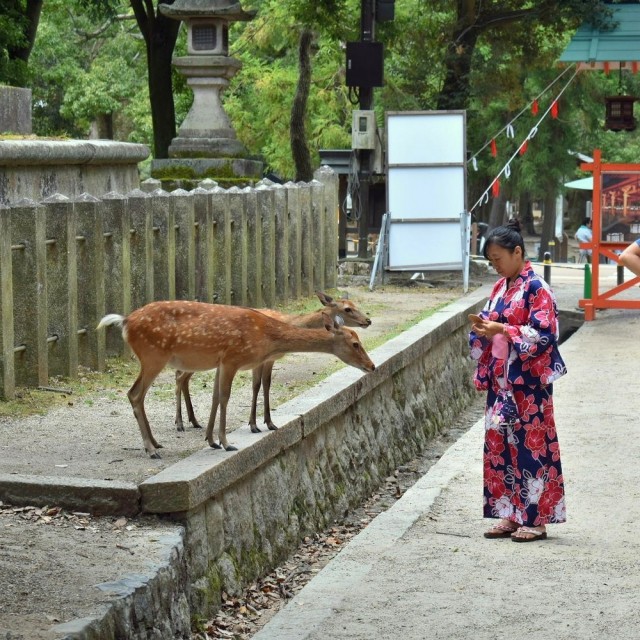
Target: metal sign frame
[(426, 191)]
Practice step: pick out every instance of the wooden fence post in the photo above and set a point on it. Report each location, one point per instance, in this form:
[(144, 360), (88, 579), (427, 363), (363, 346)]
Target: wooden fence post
[(330, 219), (319, 234), (238, 247), (117, 264), (141, 216), (91, 281), (295, 239), (306, 240), (267, 219), (254, 249), (181, 205), (163, 254), (7, 368), (221, 221), (203, 238), (281, 215), (62, 286)]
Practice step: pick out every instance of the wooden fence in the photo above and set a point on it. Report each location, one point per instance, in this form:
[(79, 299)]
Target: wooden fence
[(65, 263)]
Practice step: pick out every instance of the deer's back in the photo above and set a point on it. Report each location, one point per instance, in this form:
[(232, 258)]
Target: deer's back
[(200, 336)]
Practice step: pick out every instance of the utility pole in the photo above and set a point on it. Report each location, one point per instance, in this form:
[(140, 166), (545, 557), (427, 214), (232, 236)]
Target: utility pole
[(367, 22)]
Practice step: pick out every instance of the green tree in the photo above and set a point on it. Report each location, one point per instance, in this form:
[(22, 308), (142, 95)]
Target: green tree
[(160, 35), (18, 27)]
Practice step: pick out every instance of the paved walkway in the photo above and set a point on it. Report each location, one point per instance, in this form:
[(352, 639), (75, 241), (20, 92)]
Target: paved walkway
[(423, 570)]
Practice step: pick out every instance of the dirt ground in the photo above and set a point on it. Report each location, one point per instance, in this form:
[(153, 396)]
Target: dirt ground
[(50, 560)]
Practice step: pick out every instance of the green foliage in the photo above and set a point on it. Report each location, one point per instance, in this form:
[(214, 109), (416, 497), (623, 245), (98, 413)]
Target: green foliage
[(89, 62), (86, 65)]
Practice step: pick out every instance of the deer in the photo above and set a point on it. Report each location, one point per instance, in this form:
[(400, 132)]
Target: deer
[(198, 336), (261, 376)]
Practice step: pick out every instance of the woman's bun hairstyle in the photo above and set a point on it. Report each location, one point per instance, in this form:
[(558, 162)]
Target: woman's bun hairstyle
[(507, 236), (514, 224)]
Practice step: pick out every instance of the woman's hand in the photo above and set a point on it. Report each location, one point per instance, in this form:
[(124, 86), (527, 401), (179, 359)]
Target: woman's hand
[(488, 328)]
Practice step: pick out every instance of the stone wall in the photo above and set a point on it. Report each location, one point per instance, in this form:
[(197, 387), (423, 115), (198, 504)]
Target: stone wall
[(15, 110), (246, 511), (38, 169)]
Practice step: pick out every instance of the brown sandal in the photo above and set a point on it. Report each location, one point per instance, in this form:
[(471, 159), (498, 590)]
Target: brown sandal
[(534, 533), (501, 531)]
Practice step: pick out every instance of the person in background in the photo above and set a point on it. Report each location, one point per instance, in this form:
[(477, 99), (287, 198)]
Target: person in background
[(515, 344), (584, 234), (630, 257)]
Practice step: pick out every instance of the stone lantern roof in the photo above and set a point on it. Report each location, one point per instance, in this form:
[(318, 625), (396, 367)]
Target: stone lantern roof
[(227, 9)]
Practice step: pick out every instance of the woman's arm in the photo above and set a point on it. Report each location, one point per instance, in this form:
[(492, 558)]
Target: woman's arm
[(630, 258)]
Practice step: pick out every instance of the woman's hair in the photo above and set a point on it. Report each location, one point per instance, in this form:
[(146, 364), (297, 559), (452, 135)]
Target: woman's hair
[(507, 236)]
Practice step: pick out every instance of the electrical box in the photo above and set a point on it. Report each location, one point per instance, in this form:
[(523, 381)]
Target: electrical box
[(363, 130), (365, 65)]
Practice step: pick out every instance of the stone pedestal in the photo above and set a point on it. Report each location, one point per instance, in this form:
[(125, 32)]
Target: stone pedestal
[(206, 145)]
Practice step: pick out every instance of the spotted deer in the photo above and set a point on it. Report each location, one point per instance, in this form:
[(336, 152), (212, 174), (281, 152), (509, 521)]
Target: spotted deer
[(341, 310), (196, 336)]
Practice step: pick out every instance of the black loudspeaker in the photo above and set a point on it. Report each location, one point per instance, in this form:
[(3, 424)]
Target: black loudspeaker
[(365, 62), (385, 10)]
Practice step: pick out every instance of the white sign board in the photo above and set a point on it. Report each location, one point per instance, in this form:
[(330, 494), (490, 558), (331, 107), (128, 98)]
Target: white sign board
[(426, 191)]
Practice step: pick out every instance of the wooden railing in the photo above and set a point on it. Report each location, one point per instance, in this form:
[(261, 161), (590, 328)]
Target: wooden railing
[(65, 263)]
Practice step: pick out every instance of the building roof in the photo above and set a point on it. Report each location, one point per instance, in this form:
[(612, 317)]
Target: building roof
[(593, 48)]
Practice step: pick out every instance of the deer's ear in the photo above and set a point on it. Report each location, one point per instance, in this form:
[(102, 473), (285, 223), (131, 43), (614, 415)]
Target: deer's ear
[(326, 300), (328, 321)]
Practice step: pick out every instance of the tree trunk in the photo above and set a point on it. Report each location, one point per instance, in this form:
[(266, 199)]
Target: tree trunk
[(548, 220), (299, 146), (525, 207), (160, 34), (455, 89), (32, 19), (497, 213)]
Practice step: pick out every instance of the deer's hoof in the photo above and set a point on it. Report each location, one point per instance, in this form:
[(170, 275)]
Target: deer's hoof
[(254, 428), (272, 427), (230, 447), (155, 455), (196, 425), (215, 445), (179, 427)]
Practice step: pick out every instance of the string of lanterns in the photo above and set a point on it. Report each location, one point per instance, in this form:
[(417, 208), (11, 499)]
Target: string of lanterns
[(508, 129)]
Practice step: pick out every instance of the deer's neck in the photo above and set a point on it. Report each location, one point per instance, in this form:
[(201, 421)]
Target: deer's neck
[(313, 320), (296, 339)]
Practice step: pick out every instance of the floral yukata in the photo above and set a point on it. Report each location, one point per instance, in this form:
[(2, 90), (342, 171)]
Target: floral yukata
[(522, 472)]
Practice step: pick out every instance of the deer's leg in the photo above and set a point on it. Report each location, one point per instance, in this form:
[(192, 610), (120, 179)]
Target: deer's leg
[(178, 421), (226, 376), (214, 409), (255, 388), (136, 396), (182, 388), (266, 388), (187, 400)]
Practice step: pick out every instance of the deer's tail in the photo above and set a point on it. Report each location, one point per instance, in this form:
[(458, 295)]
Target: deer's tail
[(112, 318)]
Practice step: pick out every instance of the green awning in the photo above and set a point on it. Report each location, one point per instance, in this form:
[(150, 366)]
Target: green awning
[(594, 49)]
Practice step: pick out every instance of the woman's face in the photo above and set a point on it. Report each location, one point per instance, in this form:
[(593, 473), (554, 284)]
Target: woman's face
[(507, 263)]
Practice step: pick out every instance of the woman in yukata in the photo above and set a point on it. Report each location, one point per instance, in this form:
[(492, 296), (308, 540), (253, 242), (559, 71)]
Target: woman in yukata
[(515, 343)]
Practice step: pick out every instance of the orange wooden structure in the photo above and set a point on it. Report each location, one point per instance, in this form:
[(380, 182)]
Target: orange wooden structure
[(616, 223)]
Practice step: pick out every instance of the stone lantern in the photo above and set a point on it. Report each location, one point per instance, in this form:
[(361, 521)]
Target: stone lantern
[(206, 145)]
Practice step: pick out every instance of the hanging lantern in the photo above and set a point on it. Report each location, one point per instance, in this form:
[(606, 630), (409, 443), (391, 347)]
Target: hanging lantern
[(619, 113)]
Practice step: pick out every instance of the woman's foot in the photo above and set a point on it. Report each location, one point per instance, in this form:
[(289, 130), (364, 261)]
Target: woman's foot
[(503, 529), (529, 534)]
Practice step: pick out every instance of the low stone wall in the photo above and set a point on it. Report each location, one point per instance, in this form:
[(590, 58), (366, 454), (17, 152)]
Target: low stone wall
[(37, 169), (244, 512), (15, 110)]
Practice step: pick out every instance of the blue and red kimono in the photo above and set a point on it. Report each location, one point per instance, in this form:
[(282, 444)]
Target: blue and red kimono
[(522, 472)]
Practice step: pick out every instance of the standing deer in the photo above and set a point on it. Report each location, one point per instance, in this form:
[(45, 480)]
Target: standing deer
[(196, 336), (342, 308)]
